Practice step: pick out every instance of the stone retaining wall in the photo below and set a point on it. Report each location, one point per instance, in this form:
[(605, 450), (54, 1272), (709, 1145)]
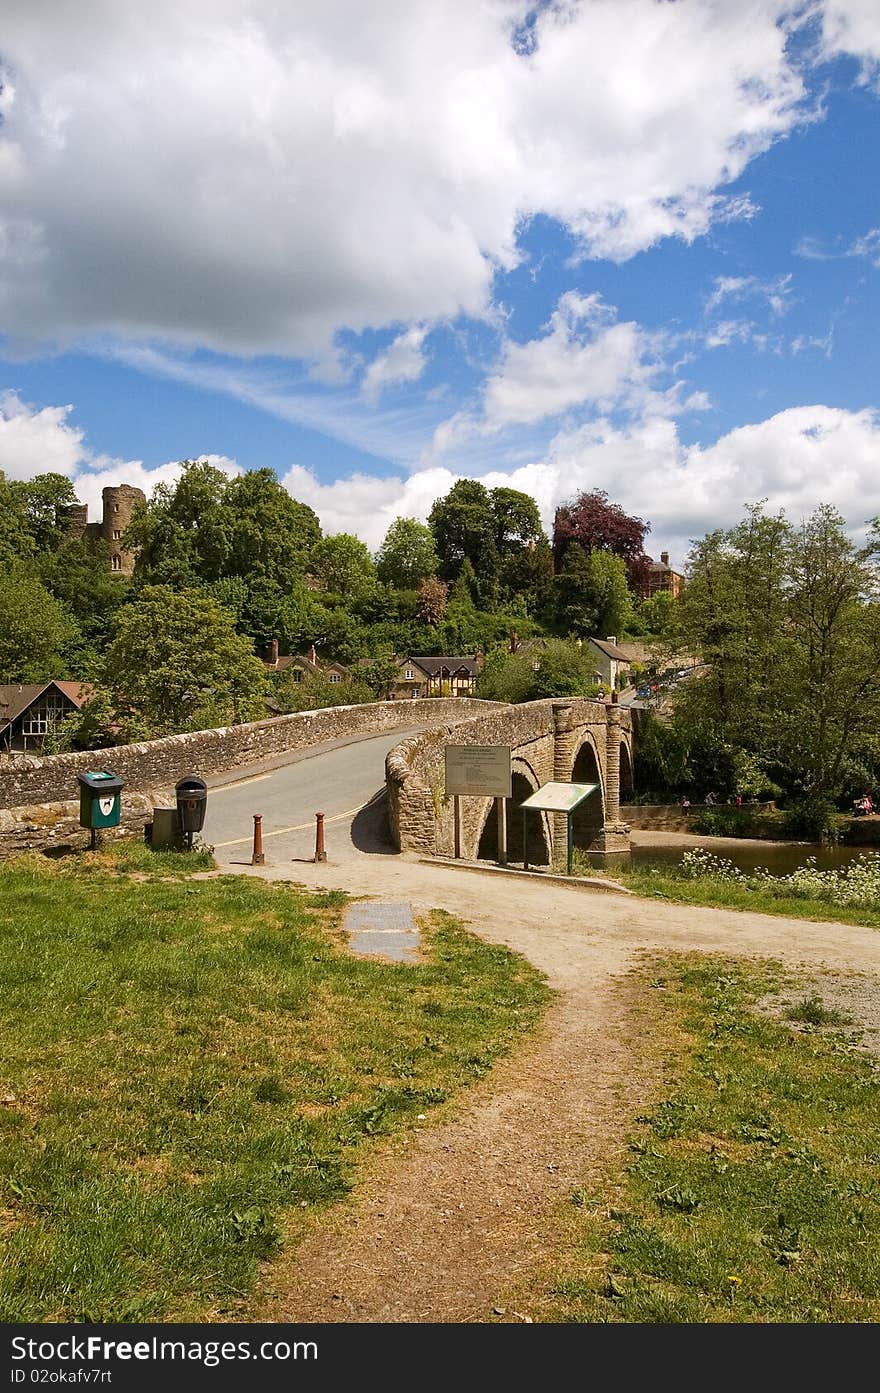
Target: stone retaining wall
[(160, 763), (54, 827)]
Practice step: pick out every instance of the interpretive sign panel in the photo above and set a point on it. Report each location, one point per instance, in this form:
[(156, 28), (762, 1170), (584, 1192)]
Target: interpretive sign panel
[(479, 771), (558, 797)]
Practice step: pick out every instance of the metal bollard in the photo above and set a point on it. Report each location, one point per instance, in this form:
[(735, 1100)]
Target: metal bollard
[(258, 859), (320, 853)]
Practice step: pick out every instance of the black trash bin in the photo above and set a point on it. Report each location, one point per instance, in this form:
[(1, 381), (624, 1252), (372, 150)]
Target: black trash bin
[(192, 800)]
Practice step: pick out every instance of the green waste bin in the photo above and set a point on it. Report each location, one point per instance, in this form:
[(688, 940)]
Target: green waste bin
[(100, 799)]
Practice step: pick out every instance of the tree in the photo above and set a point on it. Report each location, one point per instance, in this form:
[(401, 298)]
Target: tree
[(46, 499), (176, 663), (16, 541), (407, 556), (208, 527), (787, 621), (592, 596), (343, 564), (78, 574), (34, 629), (433, 598), (595, 524)]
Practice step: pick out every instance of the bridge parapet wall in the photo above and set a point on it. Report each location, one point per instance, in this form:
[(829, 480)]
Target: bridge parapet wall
[(160, 763)]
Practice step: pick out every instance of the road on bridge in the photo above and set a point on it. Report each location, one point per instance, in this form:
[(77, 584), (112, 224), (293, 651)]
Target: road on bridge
[(337, 778)]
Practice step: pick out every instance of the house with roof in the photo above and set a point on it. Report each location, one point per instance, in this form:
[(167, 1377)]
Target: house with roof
[(29, 711), (302, 667), (435, 676), (659, 575), (611, 663)]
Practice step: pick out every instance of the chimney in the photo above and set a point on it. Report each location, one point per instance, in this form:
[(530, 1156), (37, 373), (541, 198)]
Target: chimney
[(479, 659), (664, 557), (272, 655), (313, 657), (514, 641), (611, 638)]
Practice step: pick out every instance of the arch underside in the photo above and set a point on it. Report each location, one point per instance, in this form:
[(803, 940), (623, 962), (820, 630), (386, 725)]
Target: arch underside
[(537, 843)]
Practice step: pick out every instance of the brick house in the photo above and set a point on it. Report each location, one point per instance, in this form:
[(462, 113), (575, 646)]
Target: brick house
[(659, 575)]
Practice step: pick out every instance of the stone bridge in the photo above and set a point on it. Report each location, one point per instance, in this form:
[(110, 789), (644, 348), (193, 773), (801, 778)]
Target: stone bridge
[(570, 740)]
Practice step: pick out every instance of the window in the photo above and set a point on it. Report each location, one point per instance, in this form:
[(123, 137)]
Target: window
[(409, 674), (116, 534), (116, 562), (297, 674), (335, 677), (116, 507), (44, 714)]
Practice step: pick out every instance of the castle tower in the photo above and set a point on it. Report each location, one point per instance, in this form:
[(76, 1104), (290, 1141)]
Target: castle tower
[(119, 502)]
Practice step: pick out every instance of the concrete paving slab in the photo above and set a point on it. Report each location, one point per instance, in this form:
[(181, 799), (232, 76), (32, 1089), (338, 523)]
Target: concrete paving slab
[(383, 928)]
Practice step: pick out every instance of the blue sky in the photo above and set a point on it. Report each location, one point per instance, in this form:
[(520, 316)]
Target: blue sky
[(379, 248)]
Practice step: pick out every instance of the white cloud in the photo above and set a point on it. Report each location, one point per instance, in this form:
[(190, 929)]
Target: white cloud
[(403, 361), (37, 441), (797, 460), (40, 440), (867, 246), (852, 27), (776, 292), (581, 359), (252, 178)]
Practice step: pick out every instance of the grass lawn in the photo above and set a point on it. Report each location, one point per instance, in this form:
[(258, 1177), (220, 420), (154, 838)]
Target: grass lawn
[(752, 1191), (180, 1062)]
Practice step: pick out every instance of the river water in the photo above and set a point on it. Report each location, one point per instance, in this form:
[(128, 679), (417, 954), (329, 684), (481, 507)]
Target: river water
[(777, 857)]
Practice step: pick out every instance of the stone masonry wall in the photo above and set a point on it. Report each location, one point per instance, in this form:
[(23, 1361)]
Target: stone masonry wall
[(421, 817), (54, 827), (160, 763)]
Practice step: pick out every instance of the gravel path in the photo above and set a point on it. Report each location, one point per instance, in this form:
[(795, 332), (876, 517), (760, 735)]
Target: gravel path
[(446, 1224)]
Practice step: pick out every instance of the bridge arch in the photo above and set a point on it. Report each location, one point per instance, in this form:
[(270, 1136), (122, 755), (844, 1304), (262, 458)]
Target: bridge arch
[(627, 784), (524, 781), (588, 820)]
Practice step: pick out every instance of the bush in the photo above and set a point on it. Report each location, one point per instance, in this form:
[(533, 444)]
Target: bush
[(817, 822)]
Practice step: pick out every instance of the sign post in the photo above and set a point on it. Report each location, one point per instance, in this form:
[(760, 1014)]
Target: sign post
[(479, 771), (500, 810)]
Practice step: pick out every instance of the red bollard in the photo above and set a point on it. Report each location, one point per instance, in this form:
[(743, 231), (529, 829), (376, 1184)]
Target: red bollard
[(258, 859), (320, 853)]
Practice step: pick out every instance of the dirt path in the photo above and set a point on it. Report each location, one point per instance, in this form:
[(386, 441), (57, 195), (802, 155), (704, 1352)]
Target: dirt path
[(449, 1222)]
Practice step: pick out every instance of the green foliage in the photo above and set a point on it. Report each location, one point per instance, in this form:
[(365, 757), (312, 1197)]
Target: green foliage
[(657, 615), (176, 663), (559, 667), (46, 499), (343, 565), (316, 693), (207, 528), (495, 530), (592, 598), (34, 629), (407, 556), (16, 541), (787, 621)]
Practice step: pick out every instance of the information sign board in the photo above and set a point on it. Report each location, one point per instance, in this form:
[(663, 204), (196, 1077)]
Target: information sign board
[(558, 797), (478, 771)]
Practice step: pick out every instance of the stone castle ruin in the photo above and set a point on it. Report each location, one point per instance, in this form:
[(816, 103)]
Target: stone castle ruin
[(118, 505)]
